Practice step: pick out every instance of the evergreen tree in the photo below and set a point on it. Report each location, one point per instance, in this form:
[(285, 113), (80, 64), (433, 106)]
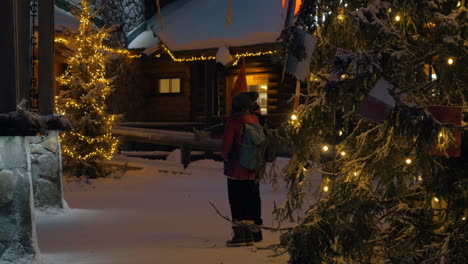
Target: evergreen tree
[(85, 89), (390, 192)]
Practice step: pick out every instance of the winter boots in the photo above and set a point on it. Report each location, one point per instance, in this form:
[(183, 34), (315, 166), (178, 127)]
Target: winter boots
[(244, 236), (253, 231), (240, 238)]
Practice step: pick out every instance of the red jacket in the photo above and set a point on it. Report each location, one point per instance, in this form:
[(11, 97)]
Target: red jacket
[(232, 141)]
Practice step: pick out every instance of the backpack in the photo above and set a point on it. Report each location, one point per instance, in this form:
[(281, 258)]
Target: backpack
[(253, 139), (254, 150)]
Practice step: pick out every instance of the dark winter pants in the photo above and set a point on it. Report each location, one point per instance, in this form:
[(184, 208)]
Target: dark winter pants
[(244, 199)]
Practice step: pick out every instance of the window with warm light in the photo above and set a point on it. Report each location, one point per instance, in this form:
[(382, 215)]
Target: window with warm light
[(259, 83), (169, 86)]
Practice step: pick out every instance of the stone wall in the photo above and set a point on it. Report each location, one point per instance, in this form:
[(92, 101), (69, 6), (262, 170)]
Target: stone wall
[(133, 14), (46, 170), (18, 242), (126, 15)]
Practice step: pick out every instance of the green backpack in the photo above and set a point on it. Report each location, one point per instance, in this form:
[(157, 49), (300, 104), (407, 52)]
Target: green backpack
[(254, 151)]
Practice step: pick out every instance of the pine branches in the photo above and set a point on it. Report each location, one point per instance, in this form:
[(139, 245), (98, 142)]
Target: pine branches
[(85, 88), (391, 193)]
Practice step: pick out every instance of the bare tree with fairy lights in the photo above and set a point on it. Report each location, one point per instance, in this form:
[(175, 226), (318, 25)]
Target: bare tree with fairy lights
[(85, 87), (384, 122)]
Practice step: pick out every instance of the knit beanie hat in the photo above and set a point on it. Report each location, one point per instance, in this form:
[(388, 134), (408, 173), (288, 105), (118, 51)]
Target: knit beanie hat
[(244, 101)]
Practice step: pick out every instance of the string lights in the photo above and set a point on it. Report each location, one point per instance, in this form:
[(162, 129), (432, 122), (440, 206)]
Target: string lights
[(122, 52), (83, 102), (206, 58)]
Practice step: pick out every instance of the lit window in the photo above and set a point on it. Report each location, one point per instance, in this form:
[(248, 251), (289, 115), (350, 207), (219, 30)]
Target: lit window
[(169, 86), (259, 83)]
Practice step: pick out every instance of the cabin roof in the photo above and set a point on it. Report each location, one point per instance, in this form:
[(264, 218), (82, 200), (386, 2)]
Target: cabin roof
[(64, 19), (201, 24)]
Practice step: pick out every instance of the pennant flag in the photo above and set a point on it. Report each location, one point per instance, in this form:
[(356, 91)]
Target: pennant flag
[(229, 15), (378, 102), (446, 115), (304, 46), (223, 56), (241, 82)]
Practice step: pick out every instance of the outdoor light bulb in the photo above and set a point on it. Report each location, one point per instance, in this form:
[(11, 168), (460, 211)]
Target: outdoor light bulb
[(355, 173), (340, 17), (304, 169), (325, 188), (342, 153), (464, 218), (434, 76), (420, 178), (459, 4), (436, 199), (408, 161), (325, 148), (450, 61), (397, 18), (294, 117), (340, 133)]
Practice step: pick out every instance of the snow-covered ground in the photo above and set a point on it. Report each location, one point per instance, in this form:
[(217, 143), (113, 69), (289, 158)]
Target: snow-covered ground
[(159, 214)]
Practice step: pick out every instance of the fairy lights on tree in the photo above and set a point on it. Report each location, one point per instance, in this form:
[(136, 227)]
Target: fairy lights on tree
[(394, 184), (85, 87)]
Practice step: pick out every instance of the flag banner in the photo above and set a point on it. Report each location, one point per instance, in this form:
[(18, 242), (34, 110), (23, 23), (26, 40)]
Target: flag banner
[(241, 82), (223, 56), (448, 115), (378, 102), (304, 46)]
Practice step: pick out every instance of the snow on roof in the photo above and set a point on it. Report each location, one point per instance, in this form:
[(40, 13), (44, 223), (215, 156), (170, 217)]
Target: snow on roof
[(64, 19), (201, 24), (144, 40)]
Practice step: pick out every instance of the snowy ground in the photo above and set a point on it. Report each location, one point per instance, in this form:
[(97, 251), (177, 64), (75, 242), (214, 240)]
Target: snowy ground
[(160, 214)]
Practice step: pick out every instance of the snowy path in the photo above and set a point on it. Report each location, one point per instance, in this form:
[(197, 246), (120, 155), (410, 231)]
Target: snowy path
[(150, 216)]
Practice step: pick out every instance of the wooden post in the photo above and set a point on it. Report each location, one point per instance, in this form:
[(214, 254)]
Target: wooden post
[(185, 152), (46, 57), (23, 50), (7, 55)]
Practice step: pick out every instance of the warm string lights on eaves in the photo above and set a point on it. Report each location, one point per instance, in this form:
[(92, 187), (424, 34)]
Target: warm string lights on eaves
[(207, 58)]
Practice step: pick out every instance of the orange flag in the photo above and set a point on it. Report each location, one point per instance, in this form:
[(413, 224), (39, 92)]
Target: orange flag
[(241, 82)]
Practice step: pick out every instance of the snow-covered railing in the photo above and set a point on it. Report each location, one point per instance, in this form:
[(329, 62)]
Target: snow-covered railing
[(185, 140)]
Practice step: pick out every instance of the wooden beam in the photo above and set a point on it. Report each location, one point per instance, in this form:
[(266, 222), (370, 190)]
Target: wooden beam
[(46, 57), (168, 138), (7, 55)]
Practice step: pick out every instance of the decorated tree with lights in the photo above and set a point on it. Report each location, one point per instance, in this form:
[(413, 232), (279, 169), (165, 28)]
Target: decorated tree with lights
[(85, 88), (384, 122)]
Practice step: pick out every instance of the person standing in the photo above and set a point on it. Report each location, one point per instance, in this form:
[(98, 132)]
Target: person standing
[(243, 187)]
